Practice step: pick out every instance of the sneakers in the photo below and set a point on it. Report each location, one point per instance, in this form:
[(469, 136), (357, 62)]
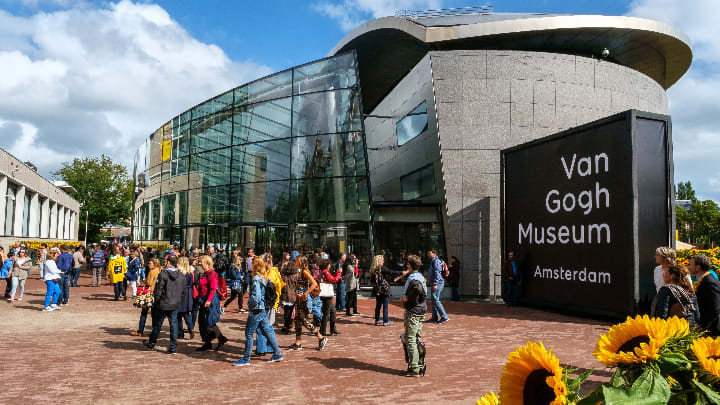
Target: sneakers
[(243, 311), (322, 343), (135, 333), (11, 299), (221, 342), (48, 309), (388, 324), (222, 310), (412, 374), (206, 346), (275, 357), (171, 351), (242, 362), (147, 345), (431, 321), (442, 321), (335, 332), (294, 346), (378, 323), (20, 298), (56, 306)]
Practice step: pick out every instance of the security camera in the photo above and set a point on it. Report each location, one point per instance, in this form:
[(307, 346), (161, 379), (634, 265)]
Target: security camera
[(605, 53)]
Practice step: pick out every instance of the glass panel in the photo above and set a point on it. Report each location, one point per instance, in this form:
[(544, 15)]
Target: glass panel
[(328, 74), (336, 238), (268, 88), (261, 161), (211, 132), (155, 211), (185, 117), (141, 166), (181, 143), (326, 112), (168, 209), (262, 122), (182, 207), (412, 125), (179, 167), (212, 106), (210, 168), (155, 149), (420, 183), (330, 199), (328, 156), (260, 202)]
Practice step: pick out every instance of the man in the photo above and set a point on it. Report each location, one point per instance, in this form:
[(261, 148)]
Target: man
[(169, 291), (511, 274), (708, 295), (15, 249), (413, 299), (98, 264), (78, 262), (437, 283), (340, 286), (64, 264)]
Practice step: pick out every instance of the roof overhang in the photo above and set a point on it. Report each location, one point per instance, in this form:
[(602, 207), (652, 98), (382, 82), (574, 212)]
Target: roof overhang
[(389, 47)]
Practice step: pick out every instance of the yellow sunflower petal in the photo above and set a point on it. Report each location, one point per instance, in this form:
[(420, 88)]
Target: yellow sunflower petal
[(488, 399), (707, 351), (532, 364)]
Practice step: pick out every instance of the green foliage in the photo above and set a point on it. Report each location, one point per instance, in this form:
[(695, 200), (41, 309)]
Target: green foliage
[(684, 191), (701, 222), (104, 189)]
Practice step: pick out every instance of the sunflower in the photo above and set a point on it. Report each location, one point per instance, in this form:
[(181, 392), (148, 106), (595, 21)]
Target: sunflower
[(531, 376), (638, 339), (488, 399), (707, 351)]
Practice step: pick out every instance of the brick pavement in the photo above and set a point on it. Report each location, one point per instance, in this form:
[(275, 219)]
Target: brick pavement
[(84, 354)]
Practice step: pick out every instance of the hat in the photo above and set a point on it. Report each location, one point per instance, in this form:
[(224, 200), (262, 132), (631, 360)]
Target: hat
[(294, 254)]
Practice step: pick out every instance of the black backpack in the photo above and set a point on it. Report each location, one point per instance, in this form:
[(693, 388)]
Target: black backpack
[(270, 295), (222, 264)]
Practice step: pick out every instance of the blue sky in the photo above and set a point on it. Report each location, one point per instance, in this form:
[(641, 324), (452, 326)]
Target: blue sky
[(87, 77)]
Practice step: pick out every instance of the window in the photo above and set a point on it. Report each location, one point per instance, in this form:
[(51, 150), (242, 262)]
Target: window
[(414, 124), (420, 183)]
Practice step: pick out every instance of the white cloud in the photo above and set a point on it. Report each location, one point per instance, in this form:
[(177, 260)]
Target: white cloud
[(351, 13), (694, 101), (73, 89)]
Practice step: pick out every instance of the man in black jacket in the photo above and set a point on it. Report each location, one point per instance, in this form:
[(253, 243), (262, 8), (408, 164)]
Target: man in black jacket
[(413, 299), (169, 291), (708, 295)]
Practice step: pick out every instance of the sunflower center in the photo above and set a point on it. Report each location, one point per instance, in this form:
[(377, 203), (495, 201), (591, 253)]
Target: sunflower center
[(631, 344), (536, 391), (715, 357)]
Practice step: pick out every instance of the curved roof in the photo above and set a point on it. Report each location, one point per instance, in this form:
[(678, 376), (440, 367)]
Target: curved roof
[(389, 47)]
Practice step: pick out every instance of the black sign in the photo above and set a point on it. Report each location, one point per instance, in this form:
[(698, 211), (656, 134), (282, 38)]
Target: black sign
[(569, 214)]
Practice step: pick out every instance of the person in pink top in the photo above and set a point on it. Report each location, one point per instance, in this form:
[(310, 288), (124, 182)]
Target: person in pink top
[(209, 301), (327, 293)]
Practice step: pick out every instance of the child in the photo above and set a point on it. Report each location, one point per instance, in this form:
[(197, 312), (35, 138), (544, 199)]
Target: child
[(414, 295)]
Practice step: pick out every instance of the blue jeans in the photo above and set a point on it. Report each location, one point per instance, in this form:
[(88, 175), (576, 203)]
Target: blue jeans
[(187, 317), (384, 302), (512, 288), (258, 321), (195, 310), (53, 292), (64, 288), (141, 273), (316, 310), (158, 317), (438, 311), (143, 320), (340, 301), (74, 277)]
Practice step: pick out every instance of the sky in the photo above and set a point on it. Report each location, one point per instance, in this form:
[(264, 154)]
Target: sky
[(81, 78)]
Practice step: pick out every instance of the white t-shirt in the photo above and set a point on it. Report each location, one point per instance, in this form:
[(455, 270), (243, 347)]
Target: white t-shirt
[(658, 277), (51, 271)]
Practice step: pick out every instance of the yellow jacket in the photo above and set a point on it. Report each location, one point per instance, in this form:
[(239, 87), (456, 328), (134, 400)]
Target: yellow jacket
[(117, 266), (274, 276)]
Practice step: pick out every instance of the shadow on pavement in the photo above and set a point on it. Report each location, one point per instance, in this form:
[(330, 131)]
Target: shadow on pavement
[(100, 297), (347, 363)]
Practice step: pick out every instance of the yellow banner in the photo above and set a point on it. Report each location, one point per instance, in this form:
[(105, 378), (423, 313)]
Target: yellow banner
[(166, 149)]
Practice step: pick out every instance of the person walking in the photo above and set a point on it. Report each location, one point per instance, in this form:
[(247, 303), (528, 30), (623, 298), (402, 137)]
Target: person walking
[(305, 286), (708, 295), (290, 278), (153, 273), (413, 299), (513, 276), (327, 293), (379, 274), (169, 292), (98, 262), (209, 300), (133, 272), (51, 276), (437, 283), (5, 272), (339, 268), (64, 262), (42, 258), (258, 319), (274, 280), (117, 266), (235, 281), (352, 284), (78, 263), (19, 274), (676, 297), (186, 305)]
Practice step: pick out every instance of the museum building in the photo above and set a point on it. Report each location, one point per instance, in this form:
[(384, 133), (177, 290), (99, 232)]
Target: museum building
[(393, 142)]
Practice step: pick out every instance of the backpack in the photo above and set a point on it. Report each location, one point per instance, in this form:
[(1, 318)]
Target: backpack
[(445, 271), (270, 295), (222, 264), (222, 289)]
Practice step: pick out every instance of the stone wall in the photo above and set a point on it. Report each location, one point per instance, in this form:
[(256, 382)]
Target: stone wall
[(490, 100)]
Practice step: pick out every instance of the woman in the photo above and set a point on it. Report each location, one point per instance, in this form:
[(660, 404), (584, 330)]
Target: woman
[(285, 259), (234, 279), (665, 257), (454, 279), (676, 297), (19, 274), (51, 276), (258, 319), (305, 286), (378, 276), (186, 304), (273, 276), (327, 293), (290, 278), (209, 301), (7, 264), (350, 277), (153, 273), (133, 272)]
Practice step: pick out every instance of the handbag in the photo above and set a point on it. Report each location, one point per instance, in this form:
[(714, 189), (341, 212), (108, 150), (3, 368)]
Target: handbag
[(326, 290)]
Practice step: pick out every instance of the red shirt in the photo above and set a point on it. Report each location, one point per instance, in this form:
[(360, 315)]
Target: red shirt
[(208, 285), (329, 278)]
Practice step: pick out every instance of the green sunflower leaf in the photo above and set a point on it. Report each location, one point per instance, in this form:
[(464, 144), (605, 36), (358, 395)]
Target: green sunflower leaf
[(711, 396), (650, 388)]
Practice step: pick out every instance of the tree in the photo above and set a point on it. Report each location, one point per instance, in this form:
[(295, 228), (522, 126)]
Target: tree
[(684, 191), (103, 188)]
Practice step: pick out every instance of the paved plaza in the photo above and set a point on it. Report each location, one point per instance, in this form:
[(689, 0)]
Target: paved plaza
[(84, 354)]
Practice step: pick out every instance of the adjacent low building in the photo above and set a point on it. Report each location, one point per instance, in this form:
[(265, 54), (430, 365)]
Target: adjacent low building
[(32, 207), (392, 143)]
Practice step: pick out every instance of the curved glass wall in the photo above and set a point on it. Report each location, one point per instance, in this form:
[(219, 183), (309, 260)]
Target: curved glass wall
[(276, 164)]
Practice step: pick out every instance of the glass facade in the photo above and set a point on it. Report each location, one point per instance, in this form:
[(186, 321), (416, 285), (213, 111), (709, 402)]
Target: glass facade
[(414, 124), (278, 163), (420, 183)]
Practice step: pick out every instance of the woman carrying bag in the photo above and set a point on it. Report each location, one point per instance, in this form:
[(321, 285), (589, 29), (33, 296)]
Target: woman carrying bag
[(327, 293), (152, 276), (209, 301)]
